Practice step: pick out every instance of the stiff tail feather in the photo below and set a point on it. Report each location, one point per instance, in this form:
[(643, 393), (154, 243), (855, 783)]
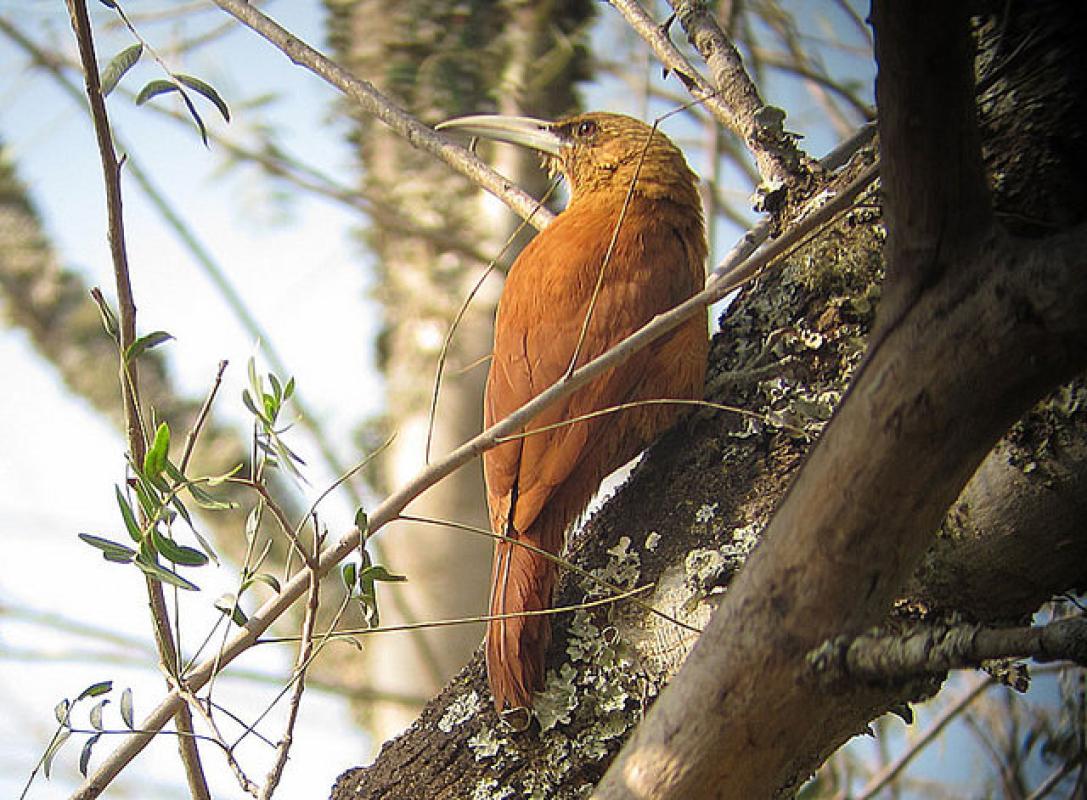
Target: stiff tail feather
[(521, 580)]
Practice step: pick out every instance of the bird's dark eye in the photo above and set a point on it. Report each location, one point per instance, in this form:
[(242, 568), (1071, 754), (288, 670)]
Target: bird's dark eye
[(586, 129)]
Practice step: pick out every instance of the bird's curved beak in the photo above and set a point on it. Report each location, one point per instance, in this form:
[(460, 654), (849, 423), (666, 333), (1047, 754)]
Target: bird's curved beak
[(524, 131)]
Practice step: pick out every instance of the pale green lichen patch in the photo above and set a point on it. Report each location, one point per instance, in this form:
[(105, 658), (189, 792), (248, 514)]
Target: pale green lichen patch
[(652, 541), (557, 701), (461, 709), (490, 789), (486, 743), (622, 568)]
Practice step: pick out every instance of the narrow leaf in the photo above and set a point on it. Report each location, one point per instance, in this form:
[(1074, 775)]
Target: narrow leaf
[(164, 575), (362, 522), (154, 89), (379, 573), (61, 710), (146, 342), (350, 574), (177, 553), (59, 739), (247, 401), (96, 715), (196, 118), (109, 319), (111, 550), (96, 689), (116, 69), (85, 755), (127, 715), (263, 577), (208, 91), (131, 525), (288, 390), (229, 606), (154, 462)]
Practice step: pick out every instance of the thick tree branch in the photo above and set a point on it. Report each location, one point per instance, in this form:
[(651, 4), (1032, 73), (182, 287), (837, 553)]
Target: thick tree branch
[(760, 126), (937, 197), (934, 396), (883, 659)]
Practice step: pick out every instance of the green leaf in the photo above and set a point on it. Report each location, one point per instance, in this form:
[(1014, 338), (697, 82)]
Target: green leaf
[(205, 545), (350, 574), (108, 3), (247, 401), (262, 577), (116, 69), (379, 573), (85, 754), (96, 690), (127, 715), (252, 522), (59, 738), (177, 553), (196, 118), (95, 715), (154, 462), (215, 480), (288, 390), (229, 606), (362, 522), (277, 387), (164, 575), (111, 550), (109, 319), (148, 496), (131, 525), (154, 89), (61, 711), (208, 91), (146, 342)]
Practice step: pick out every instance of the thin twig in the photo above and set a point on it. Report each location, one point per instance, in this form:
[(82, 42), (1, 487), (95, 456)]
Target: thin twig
[(628, 594), (556, 559), (719, 285), (447, 342), (111, 170), (949, 713), (304, 651), (201, 418)]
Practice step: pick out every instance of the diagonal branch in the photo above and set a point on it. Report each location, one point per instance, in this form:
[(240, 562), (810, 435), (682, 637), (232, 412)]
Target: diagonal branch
[(374, 102)]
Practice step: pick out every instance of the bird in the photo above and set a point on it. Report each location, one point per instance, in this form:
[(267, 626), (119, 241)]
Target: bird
[(633, 235)]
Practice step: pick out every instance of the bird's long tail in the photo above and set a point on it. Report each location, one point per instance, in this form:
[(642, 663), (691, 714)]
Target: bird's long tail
[(521, 580)]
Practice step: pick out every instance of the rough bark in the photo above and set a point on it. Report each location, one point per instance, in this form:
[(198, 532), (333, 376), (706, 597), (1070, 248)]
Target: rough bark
[(695, 507)]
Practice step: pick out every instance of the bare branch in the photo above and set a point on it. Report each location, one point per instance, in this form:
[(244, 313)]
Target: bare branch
[(887, 658), (374, 102)]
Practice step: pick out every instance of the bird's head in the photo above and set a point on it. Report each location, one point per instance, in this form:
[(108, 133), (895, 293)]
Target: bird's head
[(596, 152)]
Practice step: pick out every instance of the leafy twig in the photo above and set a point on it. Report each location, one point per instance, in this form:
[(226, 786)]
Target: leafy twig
[(111, 170)]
